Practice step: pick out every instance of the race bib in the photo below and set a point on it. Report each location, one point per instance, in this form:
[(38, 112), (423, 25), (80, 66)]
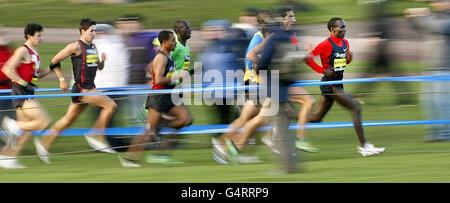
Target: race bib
[(340, 62), (187, 62)]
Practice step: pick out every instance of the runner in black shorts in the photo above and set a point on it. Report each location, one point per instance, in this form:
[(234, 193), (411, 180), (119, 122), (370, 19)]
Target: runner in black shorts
[(335, 55), (163, 70), (85, 62), (24, 69)]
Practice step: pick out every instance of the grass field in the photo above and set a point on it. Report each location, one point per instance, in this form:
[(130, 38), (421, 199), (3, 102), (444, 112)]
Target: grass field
[(162, 13), (407, 159)]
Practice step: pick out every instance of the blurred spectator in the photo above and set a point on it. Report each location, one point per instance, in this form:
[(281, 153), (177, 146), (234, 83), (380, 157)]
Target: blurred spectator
[(382, 64), (6, 106), (248, 22), (226, 52), (142, 51), (114, 74), (437, 26)]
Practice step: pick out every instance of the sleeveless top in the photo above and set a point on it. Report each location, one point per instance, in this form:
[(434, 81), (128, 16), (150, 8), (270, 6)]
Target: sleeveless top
[(30, 71), (338, 58), (85, 65), (169, 70)]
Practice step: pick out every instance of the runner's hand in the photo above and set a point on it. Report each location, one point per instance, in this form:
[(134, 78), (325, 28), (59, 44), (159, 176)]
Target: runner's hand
[(329, 72), (63, 85)]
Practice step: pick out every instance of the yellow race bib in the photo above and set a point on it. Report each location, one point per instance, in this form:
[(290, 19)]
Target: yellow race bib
[(340, 62)]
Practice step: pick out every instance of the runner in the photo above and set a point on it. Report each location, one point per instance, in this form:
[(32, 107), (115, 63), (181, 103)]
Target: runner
[(85, 62), (163, 70), (335, 55), (24, 69)]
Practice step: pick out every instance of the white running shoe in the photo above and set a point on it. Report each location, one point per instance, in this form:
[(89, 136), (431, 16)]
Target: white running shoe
[(251, 141), (219, 158), (11, 129), (7, 162), (41, 151), (99, 146), (370, 149), (126, 163), (268, 141), (219, 153)]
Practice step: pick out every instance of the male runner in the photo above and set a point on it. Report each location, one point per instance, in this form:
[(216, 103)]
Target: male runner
[(335, 55), (85, 62), (163, 70), (24, 69)]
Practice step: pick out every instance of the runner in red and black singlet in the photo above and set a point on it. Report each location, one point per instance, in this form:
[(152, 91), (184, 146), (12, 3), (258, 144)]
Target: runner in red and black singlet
[(335, 55), (85, 68), (85, 62), (163, 69), (24, 69)]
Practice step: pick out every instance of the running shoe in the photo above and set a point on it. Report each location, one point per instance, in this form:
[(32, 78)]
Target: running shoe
[(370, 149), (268, 141), (7, 162), (99, 146), (305, 146), (219, 158), (41, 151), (12, 131), (127, 163), (232, 149), (219, 153)]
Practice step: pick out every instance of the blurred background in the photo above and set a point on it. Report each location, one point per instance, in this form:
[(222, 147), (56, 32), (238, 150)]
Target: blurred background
[(387, 37)]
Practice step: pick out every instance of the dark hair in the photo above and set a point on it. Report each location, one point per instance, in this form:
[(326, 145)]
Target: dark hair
[(85, 23), (179, 24), (32, 28), (281, 12), (331, 22), (164, 36), (263, 16)]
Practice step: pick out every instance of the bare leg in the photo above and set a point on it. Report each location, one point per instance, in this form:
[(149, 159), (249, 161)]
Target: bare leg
[(108, 108), (33, 116), (348, 102), (300, 95), (248, 112), (14, 152), (251, 126), (325, 104), (72, 114), (134, 152)]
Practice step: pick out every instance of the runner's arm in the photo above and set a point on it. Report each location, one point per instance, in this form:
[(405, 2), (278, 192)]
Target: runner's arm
[(101, 64), (13, 62), (159, 65), (73, 49)]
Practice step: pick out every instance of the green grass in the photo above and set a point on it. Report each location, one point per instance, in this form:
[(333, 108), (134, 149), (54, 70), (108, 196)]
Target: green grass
[(162, 14), (408, 157)]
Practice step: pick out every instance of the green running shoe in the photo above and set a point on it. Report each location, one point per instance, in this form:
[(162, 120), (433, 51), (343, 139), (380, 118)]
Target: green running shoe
[(232, 151), (305, 146)]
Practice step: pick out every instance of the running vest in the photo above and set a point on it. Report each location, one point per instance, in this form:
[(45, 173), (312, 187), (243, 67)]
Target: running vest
[(338, 57), (85, 65), (169, 70), (30, 71), (182, 56)]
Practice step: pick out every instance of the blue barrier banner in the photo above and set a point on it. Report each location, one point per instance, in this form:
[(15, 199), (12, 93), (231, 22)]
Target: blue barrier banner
[(145, 89), (212, 129)]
